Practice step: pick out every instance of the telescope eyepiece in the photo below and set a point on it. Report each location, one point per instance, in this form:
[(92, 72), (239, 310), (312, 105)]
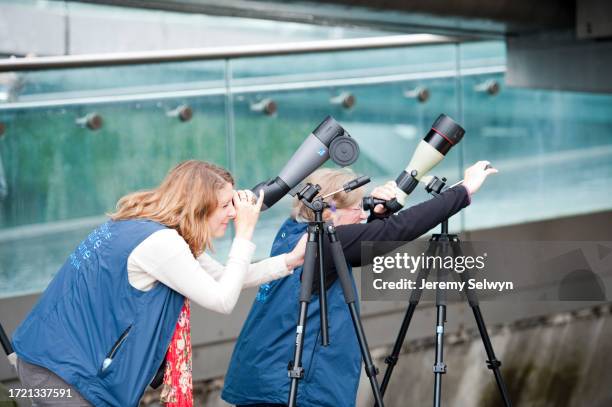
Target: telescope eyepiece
[(369, 202)]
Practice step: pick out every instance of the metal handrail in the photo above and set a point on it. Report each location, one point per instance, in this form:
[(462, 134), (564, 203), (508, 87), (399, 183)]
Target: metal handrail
[(248, 88), (227, 52)]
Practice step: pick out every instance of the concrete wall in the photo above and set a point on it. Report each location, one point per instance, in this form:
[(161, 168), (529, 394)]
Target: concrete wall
[(214, 335)]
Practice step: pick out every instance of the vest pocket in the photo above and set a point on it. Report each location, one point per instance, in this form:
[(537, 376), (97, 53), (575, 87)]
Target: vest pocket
[(311, 363), (108, 360)]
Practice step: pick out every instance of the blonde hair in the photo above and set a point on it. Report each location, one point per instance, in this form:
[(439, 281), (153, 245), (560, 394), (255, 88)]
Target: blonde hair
[(329, 180), (183, 201)]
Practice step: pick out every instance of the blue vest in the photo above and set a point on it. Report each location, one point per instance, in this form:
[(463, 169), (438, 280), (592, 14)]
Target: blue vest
[(258, 369), (96, 331)]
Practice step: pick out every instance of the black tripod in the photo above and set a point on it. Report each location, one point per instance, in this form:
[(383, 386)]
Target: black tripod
[(442, 245), (6, 345), (314, 251)]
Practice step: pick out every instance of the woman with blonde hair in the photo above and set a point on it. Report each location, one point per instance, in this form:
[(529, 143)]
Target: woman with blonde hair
[(118, 309), (257, 374)]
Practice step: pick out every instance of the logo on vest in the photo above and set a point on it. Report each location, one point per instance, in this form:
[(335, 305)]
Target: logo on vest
[(90, 245)]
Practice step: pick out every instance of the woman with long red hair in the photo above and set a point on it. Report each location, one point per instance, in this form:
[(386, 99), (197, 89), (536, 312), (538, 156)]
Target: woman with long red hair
[(117, 312)]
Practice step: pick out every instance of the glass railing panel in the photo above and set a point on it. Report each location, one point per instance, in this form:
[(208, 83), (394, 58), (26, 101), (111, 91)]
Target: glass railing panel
[(60, 177), (113, 84), (552, 148), (393, 64)]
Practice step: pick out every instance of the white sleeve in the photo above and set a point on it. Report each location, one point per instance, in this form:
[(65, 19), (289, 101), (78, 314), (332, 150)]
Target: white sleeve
[(166, 256), (261, 272)]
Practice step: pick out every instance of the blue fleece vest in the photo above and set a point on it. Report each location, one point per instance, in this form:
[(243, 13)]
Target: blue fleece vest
[(90, 313), (258, 369)]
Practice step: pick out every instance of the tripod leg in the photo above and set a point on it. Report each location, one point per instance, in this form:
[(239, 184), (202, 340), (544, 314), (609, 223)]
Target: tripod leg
[(5, 341), (392, 359), (350, 297), (492, 362), (322, 292), (370, 368), (415, 297), (8, 348), (439, 366), (295, 369)]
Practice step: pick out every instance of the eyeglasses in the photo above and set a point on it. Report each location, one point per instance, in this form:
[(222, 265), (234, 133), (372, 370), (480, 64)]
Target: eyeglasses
[(359, 208)]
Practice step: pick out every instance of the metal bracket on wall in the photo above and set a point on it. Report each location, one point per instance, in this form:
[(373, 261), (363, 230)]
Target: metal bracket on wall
[(3, 183)]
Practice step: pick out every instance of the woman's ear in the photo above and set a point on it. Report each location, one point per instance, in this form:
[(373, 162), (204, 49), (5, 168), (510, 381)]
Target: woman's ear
[(327, 215)]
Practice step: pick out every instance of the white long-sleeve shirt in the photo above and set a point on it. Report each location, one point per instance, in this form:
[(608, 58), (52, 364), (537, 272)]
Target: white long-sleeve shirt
[(164, 256)]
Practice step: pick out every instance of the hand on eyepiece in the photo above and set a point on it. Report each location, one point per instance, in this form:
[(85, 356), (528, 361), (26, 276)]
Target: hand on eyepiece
[(475, 175), (295, 258), (247, 212), (386, 192)]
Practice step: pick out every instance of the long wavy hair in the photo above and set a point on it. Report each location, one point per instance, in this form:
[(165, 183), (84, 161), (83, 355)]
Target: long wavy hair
[(183, 201)]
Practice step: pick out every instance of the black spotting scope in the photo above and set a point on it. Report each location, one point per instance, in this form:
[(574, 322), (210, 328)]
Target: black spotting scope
[(328, 140)]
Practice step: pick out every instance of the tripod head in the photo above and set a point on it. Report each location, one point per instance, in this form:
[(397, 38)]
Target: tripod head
[(308, 193), (436, 185)]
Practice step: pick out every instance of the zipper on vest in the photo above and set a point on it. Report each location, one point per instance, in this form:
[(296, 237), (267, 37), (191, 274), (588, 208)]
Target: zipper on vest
[(109, 357)]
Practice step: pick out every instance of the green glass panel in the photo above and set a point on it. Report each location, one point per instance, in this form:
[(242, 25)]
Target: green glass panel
[(362, 64), (62, 178), (58, 179), (553, 150)]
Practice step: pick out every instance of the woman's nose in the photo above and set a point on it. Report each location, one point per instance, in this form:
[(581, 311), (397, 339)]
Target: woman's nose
[(231, 212)]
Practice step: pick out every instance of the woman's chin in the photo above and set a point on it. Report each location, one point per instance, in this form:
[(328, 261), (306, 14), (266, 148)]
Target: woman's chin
[(220, 232)]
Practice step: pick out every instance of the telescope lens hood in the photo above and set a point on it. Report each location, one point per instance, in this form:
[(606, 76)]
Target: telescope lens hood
[(344, 151), (448, 128), (444, 134)]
